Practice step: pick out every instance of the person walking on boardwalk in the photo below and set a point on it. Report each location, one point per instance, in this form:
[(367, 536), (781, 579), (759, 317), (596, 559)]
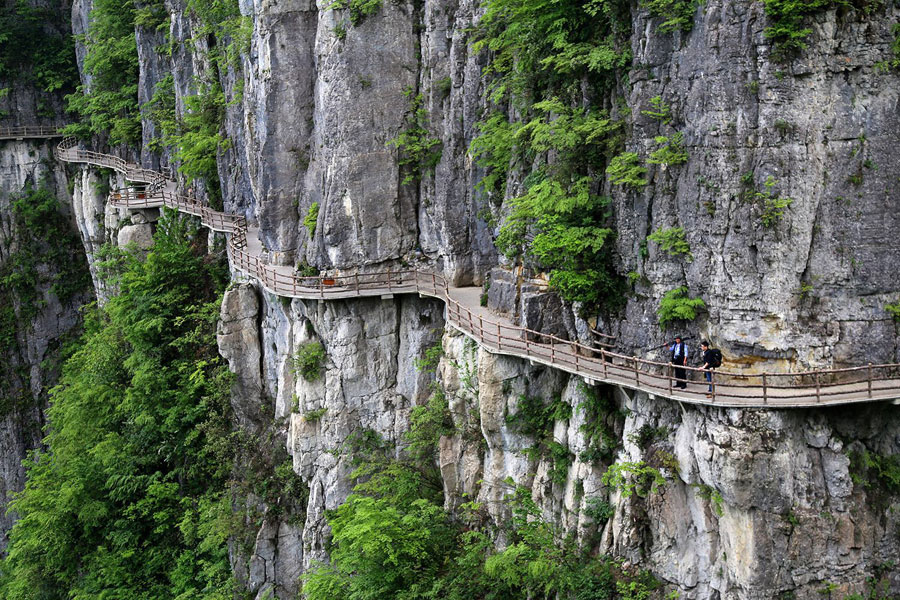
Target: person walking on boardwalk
[(679, 353), (711, 360)]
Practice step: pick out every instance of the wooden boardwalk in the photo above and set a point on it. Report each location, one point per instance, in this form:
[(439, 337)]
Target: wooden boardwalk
[(29, 132), (497, 334)]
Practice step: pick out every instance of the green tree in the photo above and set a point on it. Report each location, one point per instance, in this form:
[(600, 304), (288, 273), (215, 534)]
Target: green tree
[(129, 500), (109, 105)]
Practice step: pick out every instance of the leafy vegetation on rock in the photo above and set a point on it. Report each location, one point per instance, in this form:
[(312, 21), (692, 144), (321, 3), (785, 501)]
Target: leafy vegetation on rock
[(676, 305), (541, 54), (109, 107), (419, 152), (35, 46), (392, 538)]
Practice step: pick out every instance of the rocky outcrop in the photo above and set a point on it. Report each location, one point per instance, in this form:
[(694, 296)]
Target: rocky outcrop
[(809, 290)]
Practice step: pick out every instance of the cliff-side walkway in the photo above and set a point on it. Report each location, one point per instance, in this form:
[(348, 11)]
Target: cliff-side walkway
[(497, 334)]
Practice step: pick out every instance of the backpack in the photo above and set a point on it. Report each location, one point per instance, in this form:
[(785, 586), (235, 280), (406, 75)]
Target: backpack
[(715, 358)]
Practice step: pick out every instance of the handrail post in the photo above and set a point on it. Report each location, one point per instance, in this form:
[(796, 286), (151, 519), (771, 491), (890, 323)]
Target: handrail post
[(603, 358), (669, 377), (634, 365), (499, 343), (389, 278), (481, 330), (765, 390), (870, 379), (356, 281), (552, 352), (818, 397)]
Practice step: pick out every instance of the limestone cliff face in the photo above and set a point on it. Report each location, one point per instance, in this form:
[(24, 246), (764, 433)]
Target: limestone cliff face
[(810, 289), (756, 503)]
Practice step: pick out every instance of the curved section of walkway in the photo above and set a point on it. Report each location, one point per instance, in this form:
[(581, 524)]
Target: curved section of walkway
[(494, 333)]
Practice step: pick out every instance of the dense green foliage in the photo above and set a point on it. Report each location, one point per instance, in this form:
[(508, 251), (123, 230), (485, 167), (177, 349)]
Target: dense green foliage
[(129, 500), (110, 106), (311, 218), (633, 478), (544, 56), (676, 305), (625, 169), (35, 46), (670, 152), (419, 153)]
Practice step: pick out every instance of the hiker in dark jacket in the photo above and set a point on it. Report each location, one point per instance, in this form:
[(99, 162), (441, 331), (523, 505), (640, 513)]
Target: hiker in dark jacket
[(709, 363), (679, 353)]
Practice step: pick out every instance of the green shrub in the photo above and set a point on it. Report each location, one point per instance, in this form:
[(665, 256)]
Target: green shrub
[(359, 9), (312, 218), (773, 210), (672, 241), (671, 152), (428, 363), (677, 306), (419, 153), (535, 418), (314, 415), (658, 110), (625, 169), (633, 478), (893, 310), (309, 361), (772, 205)]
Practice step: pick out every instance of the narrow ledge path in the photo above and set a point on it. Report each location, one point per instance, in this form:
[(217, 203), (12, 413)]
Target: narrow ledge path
[(494, 333)]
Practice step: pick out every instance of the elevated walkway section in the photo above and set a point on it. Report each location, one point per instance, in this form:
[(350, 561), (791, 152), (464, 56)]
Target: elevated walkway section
[(497, 334)]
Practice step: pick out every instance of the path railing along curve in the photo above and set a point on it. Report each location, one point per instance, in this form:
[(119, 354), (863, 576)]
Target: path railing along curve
[(498, 335)]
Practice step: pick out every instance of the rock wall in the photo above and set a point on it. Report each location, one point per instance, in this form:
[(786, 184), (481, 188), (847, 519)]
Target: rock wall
[(810, 290), (756, 503), (750, 495)]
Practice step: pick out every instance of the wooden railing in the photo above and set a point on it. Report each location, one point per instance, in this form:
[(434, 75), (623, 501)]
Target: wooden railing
[(29, 131), (729, 388)]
